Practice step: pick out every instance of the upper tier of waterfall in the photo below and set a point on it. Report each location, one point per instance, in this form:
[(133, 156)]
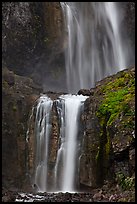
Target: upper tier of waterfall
[(96, 47)]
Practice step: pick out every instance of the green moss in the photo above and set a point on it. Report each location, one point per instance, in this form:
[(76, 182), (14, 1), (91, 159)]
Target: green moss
[(124, 182), (122, 81), (113, 104), (107, 150), (14, 108), (117, 95), (107, 146), (46, 40), (129, 123), (5, 84), (97, 155)]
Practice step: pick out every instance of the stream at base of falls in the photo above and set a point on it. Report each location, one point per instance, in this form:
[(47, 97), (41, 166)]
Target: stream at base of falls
[(54, 197)]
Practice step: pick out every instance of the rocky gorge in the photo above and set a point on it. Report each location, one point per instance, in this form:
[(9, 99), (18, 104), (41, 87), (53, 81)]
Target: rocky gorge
[(109, 138), (107, 162)]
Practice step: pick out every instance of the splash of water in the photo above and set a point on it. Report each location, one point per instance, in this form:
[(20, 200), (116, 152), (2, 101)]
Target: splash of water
[(95, 46)]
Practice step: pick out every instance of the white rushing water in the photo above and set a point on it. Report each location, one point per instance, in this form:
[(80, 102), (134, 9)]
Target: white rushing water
[(95, 46), (42, 131), (69, 108)]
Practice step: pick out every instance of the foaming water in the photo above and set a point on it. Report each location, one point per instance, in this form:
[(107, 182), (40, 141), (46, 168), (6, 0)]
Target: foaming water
[(96, 47)]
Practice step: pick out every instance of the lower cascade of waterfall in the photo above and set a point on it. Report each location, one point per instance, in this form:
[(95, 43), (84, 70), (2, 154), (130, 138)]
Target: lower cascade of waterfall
[(42, 131), (69, 108)]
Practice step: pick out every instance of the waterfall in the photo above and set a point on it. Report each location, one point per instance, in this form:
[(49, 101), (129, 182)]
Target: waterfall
[(42, 131), (69, 108), (96, 47)]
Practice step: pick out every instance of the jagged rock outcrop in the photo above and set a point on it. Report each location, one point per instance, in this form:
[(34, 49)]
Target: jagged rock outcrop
[(109, 125), (18, 96)]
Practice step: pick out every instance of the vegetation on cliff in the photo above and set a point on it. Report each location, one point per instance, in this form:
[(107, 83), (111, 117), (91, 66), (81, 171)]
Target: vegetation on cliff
[(117, 96), (116, 114), (109, 133)]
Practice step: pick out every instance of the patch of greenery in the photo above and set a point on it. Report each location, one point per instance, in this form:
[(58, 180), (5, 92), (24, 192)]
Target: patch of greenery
[(46, 40), (14, 108), (97, 155), (113, 104), (5, 85), (107, 145), (117, 95), (124, 182)]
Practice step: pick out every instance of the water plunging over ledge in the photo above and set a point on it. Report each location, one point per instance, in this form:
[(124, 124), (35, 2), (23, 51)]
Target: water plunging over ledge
[(69, 108), (95, 45), (42, 131)]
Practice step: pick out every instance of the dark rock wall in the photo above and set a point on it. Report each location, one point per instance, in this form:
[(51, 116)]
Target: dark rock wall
[(109, 130), (129, 22), (18, 96), (90, 147), (32, 42)]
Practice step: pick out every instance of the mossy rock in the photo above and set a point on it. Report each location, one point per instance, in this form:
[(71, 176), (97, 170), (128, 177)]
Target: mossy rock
[(115, 98), (117, 101)]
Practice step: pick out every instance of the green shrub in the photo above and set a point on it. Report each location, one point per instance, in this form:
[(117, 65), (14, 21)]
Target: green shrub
[(125, 183)]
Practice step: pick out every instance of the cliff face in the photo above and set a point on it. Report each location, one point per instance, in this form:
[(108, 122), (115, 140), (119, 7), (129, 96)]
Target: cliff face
[(32, 41), (109, 133), (18, 96)]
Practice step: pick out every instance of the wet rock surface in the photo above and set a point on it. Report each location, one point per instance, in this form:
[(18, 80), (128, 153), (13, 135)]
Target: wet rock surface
[(108, 193), (56, 197)]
